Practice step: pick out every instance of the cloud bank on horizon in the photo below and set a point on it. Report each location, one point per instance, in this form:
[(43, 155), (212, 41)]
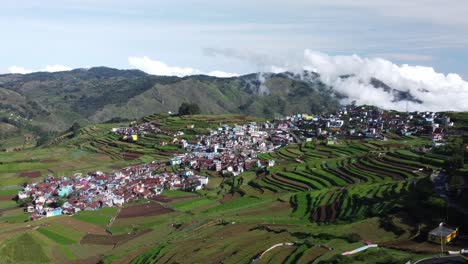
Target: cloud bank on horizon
[(48, 68), (439, 92), (157, 67)]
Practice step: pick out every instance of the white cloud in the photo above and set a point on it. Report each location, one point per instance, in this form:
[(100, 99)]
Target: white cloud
[(438, 92), (222, 74), (48, 68), (18, 69), (156, 67), (445, 92)]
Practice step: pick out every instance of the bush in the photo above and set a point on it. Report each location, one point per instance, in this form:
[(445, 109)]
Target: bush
[(24, 202), (189, 109), (353, 237)]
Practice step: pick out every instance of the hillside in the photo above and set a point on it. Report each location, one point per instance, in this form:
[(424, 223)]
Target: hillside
[(41, 105), (322, 199), (53, 101)]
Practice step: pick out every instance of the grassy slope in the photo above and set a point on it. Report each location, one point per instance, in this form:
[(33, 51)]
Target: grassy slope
[(25, 248)]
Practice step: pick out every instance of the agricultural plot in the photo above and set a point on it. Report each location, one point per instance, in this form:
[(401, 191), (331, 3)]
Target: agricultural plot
[(146, 209), (97, 138), (61, 234), (24, 248), (352, 163), (32, 165), (323, 199), (100, 217), (109, 239), (193, 204), (236, 204), (344, 204)]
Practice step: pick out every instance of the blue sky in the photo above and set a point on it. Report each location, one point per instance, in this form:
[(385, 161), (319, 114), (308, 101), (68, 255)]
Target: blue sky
[(201, 36)]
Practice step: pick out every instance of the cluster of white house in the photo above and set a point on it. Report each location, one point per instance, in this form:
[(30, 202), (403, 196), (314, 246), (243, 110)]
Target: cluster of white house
[(56, 196), (232, 149), (369, 122)]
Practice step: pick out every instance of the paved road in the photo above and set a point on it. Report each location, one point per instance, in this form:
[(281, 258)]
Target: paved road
[(442, 260)]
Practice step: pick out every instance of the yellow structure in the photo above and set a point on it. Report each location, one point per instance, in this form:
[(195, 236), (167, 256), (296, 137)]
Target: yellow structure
[(442, 234), (308, 117), (131, 138)]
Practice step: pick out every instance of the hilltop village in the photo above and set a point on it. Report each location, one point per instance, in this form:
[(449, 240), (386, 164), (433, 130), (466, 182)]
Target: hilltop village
[(227, 150), (56, 196)]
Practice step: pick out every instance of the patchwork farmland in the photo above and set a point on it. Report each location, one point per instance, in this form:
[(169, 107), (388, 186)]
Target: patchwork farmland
[(316, 202)]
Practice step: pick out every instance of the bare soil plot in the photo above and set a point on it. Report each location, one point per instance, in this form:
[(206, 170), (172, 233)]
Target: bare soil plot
[(130, 155), (110, 240), (148, 209), (49, 160), (168, 199), (30, 174), (81, 226), (230, 197), (6, 198)]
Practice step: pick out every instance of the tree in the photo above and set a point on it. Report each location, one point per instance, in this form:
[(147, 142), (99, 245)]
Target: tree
[(59, 201), (75, 128), (24, 202), (189, 109)]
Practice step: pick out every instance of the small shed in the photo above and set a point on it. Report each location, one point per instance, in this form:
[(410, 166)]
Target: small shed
[(442, 234)]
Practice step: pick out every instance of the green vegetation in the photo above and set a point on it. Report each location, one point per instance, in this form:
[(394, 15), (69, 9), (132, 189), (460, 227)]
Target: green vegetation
[(55, 237), (101, 94), (100, 217), (23, 249), (317, 197), (191, 204), (58, 160), (189, 109)]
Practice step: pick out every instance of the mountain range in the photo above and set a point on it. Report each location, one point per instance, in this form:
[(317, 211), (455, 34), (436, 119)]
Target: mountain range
[(54, 101)]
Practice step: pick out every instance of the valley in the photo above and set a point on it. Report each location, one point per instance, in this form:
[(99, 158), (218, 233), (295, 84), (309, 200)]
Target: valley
[(311, 198)]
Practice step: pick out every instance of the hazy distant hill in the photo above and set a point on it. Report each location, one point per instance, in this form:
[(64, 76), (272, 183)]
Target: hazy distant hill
[(42, 101), (54, 101)]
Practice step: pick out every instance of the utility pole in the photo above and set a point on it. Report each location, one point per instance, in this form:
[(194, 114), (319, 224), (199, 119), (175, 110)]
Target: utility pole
[(441, 241)]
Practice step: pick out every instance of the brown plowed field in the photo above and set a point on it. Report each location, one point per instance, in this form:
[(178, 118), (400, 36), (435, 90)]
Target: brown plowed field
[(6, 198), (81, 226), (168, 199), (110, 240), (30, 174), (49, 160), (147, 209), (131, 156)]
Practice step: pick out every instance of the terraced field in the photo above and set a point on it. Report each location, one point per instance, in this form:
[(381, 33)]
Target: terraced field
[(352, 203), (97, 138), (316, 167), (347, 182), (318, 201)]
